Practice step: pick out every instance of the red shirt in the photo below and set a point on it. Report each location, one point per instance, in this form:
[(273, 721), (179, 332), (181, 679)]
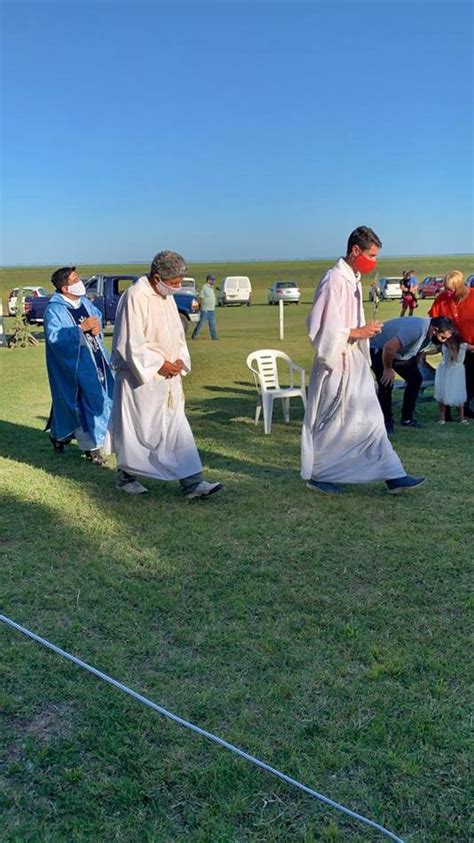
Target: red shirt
[(461, 313)]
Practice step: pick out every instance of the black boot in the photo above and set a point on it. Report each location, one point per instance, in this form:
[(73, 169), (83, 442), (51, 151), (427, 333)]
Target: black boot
[(59, 444)]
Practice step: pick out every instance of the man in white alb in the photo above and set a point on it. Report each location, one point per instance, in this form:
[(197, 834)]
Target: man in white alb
[(344, 438), (148, 430)]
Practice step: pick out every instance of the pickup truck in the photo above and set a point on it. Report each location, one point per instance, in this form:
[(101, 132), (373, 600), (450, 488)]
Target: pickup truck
[(105, 291)]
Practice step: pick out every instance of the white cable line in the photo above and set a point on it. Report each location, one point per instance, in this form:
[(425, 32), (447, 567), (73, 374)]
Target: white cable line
[(200, 731)]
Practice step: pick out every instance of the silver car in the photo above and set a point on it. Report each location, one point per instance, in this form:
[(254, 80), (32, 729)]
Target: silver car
[(286, 291), (390, 287)]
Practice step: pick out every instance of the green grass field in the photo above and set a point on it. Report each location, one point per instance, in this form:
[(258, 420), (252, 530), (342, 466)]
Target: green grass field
[(327, 637), (261, 273)]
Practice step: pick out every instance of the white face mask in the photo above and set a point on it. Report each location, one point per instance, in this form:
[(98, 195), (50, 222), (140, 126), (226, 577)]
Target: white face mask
[(165, 290), (77, 289)]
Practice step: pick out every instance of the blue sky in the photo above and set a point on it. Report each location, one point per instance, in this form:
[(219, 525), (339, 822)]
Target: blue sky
[(234, 130)]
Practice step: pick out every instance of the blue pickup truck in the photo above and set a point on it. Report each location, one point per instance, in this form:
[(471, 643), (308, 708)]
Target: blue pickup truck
[(105, 291)]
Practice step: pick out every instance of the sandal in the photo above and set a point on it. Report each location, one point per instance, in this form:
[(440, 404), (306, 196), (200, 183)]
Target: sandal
[(95, 457)]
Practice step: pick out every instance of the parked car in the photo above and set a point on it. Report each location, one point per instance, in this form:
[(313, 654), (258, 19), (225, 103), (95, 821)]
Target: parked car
[(387, 288), (105, 292), (286, 291), (431, 286), (470, 281), (189, 284), (234, 289), (27, 291), (374, 293)]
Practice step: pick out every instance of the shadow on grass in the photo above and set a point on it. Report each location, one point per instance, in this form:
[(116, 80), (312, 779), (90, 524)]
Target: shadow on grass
[(247, 392), (230, 422), (31, 446)]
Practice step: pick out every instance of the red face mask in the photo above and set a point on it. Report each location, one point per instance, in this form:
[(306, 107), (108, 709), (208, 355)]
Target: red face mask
[(364, 264)]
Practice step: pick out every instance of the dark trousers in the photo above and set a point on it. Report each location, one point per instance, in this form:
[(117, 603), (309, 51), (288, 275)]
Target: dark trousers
[(409, 371), (469, 367), (189, 484)]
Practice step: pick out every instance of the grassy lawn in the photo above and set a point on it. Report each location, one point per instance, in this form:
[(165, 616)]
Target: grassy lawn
[(327, 637)]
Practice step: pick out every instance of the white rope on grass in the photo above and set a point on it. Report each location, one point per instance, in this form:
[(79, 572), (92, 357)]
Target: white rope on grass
[(199, 731)]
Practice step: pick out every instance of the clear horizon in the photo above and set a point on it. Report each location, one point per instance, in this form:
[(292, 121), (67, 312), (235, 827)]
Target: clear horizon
[(239, 260)]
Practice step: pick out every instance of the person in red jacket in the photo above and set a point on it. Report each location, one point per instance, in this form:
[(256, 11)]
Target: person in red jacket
[(457, 303)]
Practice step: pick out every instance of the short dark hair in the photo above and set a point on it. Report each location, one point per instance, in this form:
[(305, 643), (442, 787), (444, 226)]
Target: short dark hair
[(443, 323), (364, 238), (60, 277)]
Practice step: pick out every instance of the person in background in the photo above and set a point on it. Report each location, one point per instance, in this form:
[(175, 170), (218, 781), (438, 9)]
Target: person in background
[(79, 373), (207, 298), (395, 351), (411, 278), (457, 303), (344, 438), (409, 300), (148, 430), (450, 378)]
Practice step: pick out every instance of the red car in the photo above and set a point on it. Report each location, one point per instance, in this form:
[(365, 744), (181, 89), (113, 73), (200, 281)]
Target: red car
[(431, 286)]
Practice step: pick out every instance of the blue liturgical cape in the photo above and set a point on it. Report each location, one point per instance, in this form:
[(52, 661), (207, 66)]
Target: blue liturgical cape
[(79, 397)]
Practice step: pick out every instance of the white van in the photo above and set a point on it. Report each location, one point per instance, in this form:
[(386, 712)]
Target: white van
[(234, 289)]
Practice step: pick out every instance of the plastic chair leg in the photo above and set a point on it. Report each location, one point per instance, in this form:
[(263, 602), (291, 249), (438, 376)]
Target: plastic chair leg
[(286, 409), (267, 404), (258, 410)]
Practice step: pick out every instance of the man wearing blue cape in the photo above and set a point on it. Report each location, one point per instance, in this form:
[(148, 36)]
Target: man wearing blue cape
[(79, 373)]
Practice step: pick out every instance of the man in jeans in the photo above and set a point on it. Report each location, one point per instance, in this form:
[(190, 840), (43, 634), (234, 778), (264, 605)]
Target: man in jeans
[(395, 350), (208, 309)]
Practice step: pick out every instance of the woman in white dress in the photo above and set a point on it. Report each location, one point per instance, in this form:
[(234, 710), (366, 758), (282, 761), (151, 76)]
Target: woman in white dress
[(450, 378)]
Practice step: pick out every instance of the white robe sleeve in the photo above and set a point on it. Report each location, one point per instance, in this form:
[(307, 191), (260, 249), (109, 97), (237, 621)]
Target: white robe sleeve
[(327, 328), (186, 358), (183, 352), (142, 357)]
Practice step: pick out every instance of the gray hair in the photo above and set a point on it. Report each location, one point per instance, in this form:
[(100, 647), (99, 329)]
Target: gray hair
[(168, 265)]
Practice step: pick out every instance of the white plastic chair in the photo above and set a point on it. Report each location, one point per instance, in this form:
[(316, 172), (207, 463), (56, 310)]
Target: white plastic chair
[(263, 365)]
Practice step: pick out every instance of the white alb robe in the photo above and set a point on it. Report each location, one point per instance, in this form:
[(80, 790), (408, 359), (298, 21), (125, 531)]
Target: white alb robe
[(148, 429), (344, 438)]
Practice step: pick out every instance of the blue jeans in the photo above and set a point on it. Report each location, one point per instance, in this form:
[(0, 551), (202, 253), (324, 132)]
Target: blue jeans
[(206, 316)]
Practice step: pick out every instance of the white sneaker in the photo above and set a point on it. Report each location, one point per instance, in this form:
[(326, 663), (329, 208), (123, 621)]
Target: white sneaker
[(203, 490), (132, 488)]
